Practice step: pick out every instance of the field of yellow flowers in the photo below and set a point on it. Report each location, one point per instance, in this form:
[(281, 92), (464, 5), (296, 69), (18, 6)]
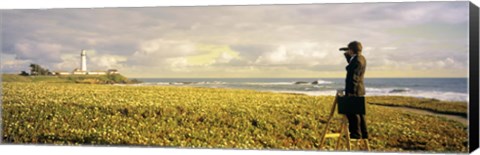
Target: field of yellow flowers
[(173, 116)]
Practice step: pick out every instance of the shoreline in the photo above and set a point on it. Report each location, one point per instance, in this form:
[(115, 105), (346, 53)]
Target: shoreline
[(375, 95), (308, 93)]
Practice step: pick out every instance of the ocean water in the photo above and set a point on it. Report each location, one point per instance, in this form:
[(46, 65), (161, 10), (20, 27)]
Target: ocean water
[(448, 89)]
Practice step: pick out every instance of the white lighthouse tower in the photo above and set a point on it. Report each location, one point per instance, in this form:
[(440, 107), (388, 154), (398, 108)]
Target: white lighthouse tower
[(83, 65)]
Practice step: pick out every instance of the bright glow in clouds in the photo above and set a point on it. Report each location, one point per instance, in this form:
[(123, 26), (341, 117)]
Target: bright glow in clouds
[(212, 54), (423, 39)]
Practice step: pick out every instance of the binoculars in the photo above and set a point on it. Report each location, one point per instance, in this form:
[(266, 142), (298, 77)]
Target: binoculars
[(343, 49)]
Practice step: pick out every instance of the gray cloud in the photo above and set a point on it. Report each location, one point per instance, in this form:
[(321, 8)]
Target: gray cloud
[(158, 40)]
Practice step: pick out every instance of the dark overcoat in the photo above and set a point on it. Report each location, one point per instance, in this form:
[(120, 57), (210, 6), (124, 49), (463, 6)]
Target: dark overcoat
[(355, 70)]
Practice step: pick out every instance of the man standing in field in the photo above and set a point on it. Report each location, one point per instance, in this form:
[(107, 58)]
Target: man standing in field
[(354, 87)]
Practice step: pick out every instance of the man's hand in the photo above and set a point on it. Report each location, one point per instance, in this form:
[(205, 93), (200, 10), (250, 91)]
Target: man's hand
[(347, 57)]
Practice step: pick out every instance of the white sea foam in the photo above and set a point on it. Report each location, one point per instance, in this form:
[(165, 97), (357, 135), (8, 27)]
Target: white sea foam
[(445, 96), (162, 83), (270, 83), (386, 90), (319, 82)]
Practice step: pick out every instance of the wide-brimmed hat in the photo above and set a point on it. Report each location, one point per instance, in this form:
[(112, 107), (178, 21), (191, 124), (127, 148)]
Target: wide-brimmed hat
[(354, 46)]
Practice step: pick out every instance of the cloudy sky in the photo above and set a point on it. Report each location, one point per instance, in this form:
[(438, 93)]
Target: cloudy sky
[(423, 39)]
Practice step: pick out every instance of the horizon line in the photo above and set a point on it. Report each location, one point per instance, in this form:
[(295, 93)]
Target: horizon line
[(262, 77), (274, 77)]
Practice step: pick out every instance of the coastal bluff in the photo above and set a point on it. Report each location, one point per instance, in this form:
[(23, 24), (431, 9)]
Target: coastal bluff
[(84, 79)]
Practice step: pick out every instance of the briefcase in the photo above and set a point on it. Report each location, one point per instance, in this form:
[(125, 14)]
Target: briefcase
[(351, 104)]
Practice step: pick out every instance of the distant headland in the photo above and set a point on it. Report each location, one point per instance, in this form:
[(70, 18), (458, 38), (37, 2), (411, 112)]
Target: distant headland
[(78, 75)]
